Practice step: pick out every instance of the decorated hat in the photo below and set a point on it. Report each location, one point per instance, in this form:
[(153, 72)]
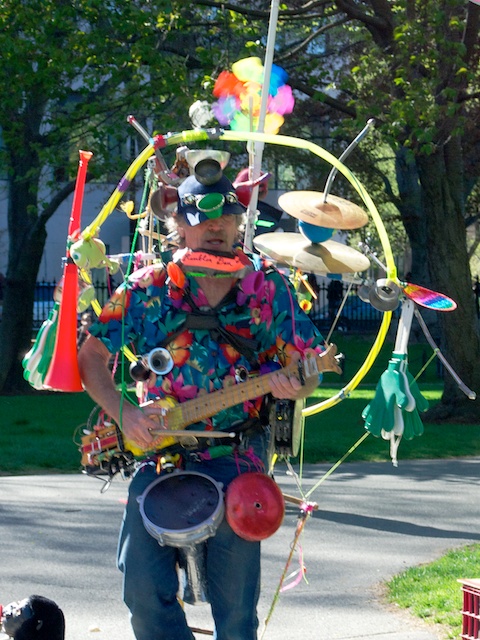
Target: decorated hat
[(207, 194)]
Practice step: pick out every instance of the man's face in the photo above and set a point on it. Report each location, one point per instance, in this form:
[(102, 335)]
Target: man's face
[(14, 615), (217, 234)]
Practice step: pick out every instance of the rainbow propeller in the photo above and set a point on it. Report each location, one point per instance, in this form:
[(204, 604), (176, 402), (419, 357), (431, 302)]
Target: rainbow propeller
[(428, 298)]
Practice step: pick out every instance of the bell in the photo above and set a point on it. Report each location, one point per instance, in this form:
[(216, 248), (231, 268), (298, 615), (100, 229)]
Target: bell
[(385, 295), (208, 171), (163, 200)]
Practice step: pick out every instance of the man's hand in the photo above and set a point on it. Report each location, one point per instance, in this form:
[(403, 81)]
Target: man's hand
[(290, 387), (134, 422)]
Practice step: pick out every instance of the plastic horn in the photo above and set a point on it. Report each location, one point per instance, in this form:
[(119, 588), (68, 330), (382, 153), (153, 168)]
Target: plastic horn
[(63, 373)]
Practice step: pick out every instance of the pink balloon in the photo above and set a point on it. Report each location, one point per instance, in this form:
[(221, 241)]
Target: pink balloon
[(283, 102)]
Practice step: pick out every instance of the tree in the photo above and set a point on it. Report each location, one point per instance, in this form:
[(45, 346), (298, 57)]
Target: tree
[(413, 66), (416, 70), (74, 71)]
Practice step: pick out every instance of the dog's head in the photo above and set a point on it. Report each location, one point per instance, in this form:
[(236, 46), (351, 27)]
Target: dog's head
[(34, 618)]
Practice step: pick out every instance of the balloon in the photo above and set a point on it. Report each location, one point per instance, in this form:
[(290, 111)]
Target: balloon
[(239, 96), (227, 84), (225, 109), (248, 69), (282, 102)]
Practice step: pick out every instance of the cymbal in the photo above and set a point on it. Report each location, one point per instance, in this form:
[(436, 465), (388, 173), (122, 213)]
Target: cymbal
[(295, 250), (335, 213)]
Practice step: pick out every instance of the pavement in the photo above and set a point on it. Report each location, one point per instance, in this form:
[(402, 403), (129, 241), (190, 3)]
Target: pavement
[(58, 539)]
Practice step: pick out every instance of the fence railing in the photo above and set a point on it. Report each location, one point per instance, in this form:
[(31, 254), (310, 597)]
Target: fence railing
[(356, 316)]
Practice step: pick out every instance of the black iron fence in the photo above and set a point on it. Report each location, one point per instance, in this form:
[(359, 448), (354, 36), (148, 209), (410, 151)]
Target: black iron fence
[(355, 315)]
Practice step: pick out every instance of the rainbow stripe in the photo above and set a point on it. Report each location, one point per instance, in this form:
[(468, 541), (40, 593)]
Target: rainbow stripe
[(428, 298)]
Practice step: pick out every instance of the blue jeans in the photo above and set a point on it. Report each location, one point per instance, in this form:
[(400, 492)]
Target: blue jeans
[(150, 584)]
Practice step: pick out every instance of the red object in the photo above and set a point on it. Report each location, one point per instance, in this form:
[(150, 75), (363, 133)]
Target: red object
[(254, 506), (471, 609), (243, 186), (63, 373), (227, 84)]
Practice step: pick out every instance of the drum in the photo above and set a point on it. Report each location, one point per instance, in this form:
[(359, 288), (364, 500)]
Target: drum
[(182, 508)]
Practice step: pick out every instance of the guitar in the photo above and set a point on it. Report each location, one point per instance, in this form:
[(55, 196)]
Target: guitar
[(175, 417)]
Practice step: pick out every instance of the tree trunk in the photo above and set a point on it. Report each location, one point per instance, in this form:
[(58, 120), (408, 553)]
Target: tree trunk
[(442, 184), (410, 206), (27, 240)]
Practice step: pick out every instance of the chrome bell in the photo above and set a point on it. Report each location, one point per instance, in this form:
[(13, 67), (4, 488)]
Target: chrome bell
[(385, 295), (160, 361)]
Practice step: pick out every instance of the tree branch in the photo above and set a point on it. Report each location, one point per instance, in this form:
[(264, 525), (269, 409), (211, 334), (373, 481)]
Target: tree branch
[(323, 97)]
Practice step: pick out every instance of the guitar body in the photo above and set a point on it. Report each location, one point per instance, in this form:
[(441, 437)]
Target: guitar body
[(105, 447), (104, 451), (286, 426)]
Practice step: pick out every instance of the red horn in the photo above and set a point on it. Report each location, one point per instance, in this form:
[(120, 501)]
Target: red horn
[(63, 373)]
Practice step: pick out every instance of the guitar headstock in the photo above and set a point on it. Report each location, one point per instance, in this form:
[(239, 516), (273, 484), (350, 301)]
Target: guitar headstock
[(327, 361)]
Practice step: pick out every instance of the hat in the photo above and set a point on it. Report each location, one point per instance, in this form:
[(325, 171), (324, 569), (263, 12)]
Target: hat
[(207, 194), (45, 620)]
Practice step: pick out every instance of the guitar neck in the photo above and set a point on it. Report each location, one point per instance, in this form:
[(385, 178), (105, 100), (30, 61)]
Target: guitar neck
[(207, 405)]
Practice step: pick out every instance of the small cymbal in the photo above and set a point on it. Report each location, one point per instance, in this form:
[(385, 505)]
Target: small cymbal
[(295, 250), (335, 213)]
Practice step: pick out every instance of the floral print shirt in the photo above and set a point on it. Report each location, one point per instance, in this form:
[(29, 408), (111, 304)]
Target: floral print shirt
[(261, 313)]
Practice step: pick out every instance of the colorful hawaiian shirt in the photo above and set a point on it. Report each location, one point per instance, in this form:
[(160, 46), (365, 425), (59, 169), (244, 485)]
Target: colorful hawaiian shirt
[(253, 330)]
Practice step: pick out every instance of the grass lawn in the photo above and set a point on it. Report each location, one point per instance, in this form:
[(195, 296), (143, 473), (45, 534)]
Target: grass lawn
[(432, 592)]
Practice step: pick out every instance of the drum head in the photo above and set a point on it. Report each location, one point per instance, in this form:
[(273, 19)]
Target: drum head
[(182, 508)]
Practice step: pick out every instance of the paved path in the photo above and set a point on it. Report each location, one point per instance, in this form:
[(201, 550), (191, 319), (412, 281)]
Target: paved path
[(58, 536)]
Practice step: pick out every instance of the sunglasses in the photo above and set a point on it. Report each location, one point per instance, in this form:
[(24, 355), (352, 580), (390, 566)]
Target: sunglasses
[(211, 204)]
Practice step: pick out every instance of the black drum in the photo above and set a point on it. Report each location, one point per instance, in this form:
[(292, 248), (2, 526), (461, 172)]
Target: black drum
[(182, 508)]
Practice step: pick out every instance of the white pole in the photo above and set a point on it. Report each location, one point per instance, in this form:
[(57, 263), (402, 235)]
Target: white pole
[(255, 162)]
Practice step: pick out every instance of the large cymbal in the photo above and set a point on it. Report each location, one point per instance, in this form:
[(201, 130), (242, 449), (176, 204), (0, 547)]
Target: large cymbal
[(336, 213), (321, 259)]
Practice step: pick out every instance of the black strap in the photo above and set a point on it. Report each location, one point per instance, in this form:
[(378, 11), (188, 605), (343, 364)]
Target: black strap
[(207, 319)]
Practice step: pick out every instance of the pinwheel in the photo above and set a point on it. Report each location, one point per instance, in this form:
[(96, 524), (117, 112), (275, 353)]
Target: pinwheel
[(239, 94)]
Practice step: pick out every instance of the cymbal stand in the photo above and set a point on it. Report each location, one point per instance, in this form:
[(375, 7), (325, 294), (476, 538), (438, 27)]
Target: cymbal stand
[(345, 154)]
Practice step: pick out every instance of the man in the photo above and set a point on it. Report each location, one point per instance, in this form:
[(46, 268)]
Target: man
[(223, 319)]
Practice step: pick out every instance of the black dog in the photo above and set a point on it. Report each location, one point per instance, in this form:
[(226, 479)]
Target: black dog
[(35, 618)]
